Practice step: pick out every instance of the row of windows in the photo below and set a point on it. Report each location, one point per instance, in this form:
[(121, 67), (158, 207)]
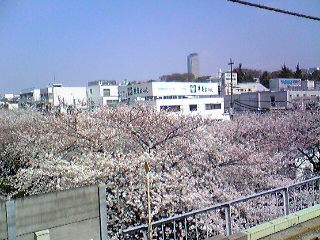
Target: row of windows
[(111, 102), (212, 106), (106, 92), (192, 107)]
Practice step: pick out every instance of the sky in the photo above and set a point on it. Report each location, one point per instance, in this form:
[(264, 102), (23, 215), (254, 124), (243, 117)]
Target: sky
[(76, 41)]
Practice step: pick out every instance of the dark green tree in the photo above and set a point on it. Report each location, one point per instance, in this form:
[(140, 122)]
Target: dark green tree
[(183, 77), (298, 72), (275, 74), (315, 75), (240, 73), (285, 72), (264, 79), (203, 78)]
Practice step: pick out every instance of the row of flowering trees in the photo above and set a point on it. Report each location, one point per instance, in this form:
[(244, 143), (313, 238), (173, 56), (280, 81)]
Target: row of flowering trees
[(194, 162)]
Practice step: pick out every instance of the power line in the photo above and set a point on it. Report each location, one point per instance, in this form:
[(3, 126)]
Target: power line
[(275, 9)]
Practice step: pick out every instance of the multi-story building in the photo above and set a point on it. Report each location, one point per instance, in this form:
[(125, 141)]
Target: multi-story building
[(182, 97), (58, 96), (308, 85), (226, 82), (193, 64), (29, 97), (101, 93)]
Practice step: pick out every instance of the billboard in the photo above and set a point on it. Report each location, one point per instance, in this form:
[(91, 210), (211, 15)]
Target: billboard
[(184, 89), (289, 83)]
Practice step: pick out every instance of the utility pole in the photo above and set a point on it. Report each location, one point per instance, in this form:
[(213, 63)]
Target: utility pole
[(231, 95)]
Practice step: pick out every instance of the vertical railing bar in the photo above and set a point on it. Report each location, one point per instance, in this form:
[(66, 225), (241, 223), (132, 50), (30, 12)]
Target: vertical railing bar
[(277, 204), (186, 228), (255, 218), (301, 198), (314, 196), (286, 201), (317, 191), (145, 235), (174, 230), (197, 233), (162, 228), (207, 228), (228, 219)]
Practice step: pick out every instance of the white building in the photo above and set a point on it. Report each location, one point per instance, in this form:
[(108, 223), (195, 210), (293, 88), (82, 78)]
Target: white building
[(249, 87), (226, 82), (8, 96), (308, 85), (193, 64), (59, 96), (29, 97), (101, 93), (182, 97), (9, 101)]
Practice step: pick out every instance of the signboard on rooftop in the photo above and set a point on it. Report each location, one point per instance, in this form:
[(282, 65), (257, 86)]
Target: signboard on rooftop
[(184, 89)]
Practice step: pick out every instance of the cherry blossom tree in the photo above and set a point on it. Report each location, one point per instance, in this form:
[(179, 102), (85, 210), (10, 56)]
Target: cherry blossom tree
[(194, 162)]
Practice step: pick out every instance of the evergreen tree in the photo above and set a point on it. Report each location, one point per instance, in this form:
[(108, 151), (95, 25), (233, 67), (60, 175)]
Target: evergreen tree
[(285, 72), (316, 75), (264, 79), (298, 72), (240, 73)]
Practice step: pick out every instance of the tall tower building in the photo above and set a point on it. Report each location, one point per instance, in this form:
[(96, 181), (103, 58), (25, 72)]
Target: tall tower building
[(193, 64)]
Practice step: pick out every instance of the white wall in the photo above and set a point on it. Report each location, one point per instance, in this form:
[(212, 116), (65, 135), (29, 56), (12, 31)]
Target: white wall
[(201, 106), (69, 95), (161, 89), (97, 97)]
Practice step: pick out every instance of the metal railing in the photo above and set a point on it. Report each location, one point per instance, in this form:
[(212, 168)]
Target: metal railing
[(233, 216)]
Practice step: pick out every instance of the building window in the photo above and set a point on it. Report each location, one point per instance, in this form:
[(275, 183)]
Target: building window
[(213, 106), (112, 102), (193, 108), (106, 92), (90, 91), (173, 108)]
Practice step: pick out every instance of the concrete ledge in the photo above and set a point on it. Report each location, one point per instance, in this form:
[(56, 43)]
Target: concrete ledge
[(308, 213), (306, 230), (260, 231), (218, 238), (283, 223), (237, 236), (275, 226)]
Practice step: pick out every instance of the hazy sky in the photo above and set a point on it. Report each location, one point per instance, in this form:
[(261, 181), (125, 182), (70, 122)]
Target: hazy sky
[(80, 41)]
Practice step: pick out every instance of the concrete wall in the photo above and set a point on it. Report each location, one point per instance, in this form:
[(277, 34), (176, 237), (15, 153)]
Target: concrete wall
[(3, 220), (72, 214)]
